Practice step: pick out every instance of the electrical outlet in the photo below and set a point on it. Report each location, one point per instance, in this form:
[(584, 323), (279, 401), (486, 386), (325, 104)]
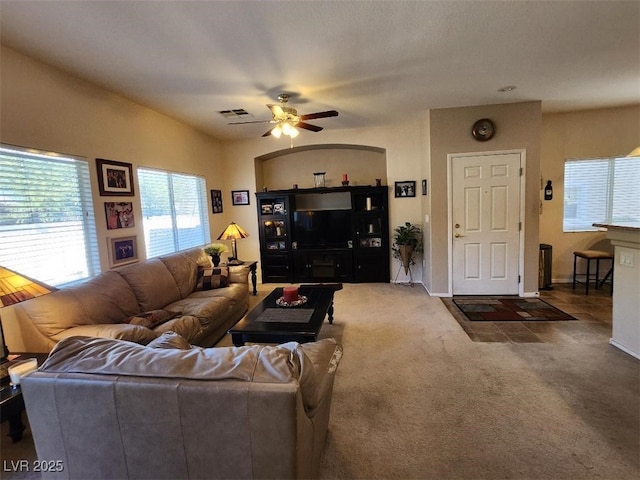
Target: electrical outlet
[(626, 259)]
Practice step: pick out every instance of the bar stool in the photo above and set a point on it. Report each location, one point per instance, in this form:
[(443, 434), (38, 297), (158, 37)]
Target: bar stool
[(590, 255)]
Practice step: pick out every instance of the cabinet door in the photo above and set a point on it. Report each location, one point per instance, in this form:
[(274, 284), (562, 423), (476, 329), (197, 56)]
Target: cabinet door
[(323, 266), (276, 268), (371, 268)]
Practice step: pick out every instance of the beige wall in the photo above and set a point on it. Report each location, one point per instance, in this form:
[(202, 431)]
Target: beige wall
[(403, 162), (601, 133), (282, 169), (517, 128), (46, 109)]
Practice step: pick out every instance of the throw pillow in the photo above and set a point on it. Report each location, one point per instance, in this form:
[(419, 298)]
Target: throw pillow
[(151, 319), (212, 277)]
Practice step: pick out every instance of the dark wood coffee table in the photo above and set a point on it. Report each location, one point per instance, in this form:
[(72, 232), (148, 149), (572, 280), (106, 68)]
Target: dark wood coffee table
[(269, 323)]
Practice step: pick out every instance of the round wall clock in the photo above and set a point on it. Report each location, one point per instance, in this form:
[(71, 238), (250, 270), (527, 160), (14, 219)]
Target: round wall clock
[(483, 130)]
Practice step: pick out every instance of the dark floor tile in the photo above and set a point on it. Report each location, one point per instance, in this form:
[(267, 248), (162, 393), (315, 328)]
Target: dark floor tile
[(512, 327), (540, 327), (524, 338), (490, 337)]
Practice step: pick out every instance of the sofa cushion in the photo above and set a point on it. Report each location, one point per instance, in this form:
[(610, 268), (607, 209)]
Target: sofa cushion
[(210, 278), (184, 268), (152, 284), (186, 326), (170, 340), (118, 331), (151, 319)]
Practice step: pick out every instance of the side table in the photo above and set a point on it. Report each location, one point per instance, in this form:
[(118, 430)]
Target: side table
[(11, 401)]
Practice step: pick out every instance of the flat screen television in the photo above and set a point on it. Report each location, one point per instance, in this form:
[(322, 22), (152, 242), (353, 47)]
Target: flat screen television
[(322, 228)]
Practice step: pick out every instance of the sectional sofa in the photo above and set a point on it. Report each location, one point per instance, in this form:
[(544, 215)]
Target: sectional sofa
[(180, 292), (104, 408)]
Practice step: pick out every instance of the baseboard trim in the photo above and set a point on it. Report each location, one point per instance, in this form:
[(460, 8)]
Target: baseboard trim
[(624, 348)]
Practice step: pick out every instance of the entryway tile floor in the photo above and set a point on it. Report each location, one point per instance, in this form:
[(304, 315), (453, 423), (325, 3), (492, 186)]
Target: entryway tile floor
[(592, 324)]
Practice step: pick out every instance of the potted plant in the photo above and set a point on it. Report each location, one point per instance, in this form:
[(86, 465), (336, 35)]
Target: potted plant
[(214, 250), (407, 240)]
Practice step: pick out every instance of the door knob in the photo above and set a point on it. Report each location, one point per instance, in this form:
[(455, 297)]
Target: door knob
[(457, 235)]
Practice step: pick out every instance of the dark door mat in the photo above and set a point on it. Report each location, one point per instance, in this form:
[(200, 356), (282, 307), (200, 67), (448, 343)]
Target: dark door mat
[(508, 308)]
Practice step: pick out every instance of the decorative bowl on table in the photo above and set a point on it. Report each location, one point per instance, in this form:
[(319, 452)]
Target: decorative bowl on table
[(281, 302)]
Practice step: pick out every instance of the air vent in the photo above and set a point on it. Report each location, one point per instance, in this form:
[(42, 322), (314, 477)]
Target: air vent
[(235, 113)]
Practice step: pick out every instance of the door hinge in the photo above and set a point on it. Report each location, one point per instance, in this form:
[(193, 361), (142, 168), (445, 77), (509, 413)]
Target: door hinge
[(518, 278), (519, 226), (521, 171)]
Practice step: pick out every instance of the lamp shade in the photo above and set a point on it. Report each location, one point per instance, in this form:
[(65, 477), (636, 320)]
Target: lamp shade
[(233, 232), (635, 152), (16, 288)]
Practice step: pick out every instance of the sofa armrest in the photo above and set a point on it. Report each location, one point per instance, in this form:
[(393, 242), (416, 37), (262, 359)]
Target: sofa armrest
[(239, 274), (117, 331), (318, 363)]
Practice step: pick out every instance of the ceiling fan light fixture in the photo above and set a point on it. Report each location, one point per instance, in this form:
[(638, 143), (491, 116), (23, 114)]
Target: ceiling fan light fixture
[(276, 131), (293, 133)]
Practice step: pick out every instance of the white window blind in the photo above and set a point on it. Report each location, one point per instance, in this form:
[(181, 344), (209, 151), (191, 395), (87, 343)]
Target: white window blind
[(47, 225), (601, 191), (174, 211)]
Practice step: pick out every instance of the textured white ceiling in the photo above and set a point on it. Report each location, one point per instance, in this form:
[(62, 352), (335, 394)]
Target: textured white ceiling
[(374, 61)]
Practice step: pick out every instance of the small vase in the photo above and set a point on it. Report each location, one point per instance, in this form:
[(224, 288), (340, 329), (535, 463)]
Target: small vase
[(215, 258)]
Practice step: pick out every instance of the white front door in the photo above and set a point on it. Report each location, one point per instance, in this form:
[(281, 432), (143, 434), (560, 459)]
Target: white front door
[(485, 224)]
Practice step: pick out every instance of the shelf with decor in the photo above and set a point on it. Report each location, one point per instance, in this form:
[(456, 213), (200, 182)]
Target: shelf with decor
[(324, 234)]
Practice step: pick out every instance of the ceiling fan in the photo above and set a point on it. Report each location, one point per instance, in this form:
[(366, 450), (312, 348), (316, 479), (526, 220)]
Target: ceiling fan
[(287, 119)]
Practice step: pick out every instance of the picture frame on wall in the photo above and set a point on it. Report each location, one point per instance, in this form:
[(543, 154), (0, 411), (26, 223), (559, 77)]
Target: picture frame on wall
[(119, 215), (240, 197), (405, 189), (115, 178), (122, 250), (216, 201)]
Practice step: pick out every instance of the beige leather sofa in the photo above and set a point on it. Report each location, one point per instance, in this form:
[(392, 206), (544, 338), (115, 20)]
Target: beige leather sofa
[(115, 409), (131, 303)]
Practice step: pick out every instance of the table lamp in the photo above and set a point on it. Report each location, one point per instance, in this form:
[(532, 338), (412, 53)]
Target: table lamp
[(16, 288), (233, 232)]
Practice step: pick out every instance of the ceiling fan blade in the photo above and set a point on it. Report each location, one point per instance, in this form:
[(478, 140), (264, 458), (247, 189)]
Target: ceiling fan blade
[(255, 121), (308, 126), (311, 116), (268, 133), (276, 110)]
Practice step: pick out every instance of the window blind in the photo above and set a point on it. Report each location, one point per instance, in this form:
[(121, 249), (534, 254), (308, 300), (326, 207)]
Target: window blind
[(601, 191), (174, 210), (47, 224)]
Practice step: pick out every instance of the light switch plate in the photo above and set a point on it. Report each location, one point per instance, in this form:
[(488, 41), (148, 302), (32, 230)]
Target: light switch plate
[(626, 259)]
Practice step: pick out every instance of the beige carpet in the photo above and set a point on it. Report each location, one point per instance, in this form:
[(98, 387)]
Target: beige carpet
[(415, 398)]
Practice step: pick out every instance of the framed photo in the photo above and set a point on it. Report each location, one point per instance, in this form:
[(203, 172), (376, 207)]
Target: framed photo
[(240, 197), (405, 189), (278, 208), (119, 215), (115, 178), (424, 186), (267, 208), (216, 201), (122, 250)]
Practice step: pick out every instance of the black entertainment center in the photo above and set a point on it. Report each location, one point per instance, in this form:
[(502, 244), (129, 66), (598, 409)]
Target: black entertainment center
[(336, 234)]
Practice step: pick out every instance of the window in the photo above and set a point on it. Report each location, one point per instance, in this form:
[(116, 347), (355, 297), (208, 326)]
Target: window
[(47, 225), (174, 211), (601, 191)]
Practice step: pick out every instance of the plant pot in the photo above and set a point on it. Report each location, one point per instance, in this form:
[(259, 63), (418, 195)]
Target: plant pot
[(215, 258), (406, 252)]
